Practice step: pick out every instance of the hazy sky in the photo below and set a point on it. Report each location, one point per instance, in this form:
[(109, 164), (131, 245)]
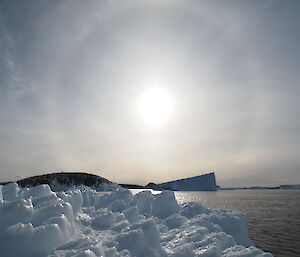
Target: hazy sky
[(72, 74)]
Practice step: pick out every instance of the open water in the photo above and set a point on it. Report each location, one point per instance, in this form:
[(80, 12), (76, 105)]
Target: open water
[(273, 215)]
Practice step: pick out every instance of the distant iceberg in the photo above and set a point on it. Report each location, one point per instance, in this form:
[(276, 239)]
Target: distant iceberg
[(297, 186), (206, 182)]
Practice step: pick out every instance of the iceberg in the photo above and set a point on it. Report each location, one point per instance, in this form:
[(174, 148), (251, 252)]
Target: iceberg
[(206, 182), (82, 222), (295, 186)]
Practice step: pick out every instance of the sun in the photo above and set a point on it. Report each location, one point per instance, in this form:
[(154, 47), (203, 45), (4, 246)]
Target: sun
[(155, 106)]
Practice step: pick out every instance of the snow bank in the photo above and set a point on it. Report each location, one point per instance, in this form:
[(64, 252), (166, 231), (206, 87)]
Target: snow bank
[(82, 222), (56, 186)]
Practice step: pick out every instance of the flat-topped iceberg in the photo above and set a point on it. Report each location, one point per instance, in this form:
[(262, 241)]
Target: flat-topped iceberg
[(205, 182), (82, 222)]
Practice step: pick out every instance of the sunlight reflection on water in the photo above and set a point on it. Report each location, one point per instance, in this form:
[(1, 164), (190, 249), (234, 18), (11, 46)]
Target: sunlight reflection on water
[(135, 191)]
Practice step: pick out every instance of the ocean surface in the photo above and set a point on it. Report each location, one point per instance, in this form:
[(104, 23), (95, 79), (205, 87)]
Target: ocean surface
[(273, 215)]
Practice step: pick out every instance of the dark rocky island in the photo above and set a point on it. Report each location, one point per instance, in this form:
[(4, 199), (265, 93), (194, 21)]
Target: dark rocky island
[(54, 180)]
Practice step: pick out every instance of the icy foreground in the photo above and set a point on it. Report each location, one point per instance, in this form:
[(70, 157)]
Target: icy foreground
[(82, 222)]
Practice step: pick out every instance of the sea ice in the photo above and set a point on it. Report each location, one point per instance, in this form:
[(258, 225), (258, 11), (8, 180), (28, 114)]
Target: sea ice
[(37, 222)]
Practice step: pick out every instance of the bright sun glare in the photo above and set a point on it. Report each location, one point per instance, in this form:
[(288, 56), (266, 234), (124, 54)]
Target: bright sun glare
[(155, 106)]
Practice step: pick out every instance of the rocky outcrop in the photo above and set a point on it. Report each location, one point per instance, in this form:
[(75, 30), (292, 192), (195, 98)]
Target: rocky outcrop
[(55, 180)]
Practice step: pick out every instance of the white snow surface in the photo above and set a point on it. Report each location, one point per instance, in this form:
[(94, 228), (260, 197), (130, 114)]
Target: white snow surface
[(82, 222)]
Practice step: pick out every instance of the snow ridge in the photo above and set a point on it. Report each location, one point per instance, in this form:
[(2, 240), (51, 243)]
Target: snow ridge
[(82, 222)]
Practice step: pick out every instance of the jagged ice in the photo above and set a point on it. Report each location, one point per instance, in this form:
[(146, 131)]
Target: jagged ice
[(83, 222)]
